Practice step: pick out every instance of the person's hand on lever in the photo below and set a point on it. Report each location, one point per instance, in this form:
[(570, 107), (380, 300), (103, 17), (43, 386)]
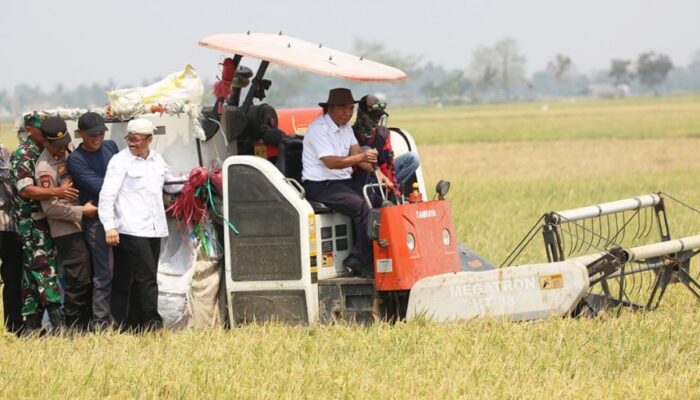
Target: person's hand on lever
[(370, 156), (385, 180)]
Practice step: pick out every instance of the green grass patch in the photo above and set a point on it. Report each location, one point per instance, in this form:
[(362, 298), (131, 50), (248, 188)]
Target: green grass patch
[(560, 120)]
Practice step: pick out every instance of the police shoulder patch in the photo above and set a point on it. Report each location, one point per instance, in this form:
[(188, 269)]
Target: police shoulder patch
[(45, 181)]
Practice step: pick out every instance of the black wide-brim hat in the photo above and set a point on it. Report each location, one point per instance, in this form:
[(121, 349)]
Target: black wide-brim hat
[(339, 96)]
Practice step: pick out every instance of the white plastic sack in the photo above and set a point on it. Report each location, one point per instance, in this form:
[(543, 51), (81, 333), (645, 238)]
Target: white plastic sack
[(177, 256), (177, 253), (188, 281), (182, 87), (179, 93), (172, 299)]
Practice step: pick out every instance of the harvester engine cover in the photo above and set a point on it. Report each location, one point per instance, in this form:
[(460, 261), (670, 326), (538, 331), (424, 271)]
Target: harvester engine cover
[(414, 241)]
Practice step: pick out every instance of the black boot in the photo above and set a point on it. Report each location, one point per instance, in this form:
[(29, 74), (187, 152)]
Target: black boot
[(57, 318), (32, 325)]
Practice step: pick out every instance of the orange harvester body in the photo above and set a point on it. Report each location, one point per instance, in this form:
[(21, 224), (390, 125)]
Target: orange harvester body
[(296, 120), (291, 121), (397, 267)]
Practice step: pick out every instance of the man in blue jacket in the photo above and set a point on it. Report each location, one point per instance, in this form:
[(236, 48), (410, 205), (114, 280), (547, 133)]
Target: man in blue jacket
[(87, 166)]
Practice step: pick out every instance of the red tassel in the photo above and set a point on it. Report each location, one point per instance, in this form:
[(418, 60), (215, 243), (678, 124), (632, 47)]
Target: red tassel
[(189, 207), (222, 88)]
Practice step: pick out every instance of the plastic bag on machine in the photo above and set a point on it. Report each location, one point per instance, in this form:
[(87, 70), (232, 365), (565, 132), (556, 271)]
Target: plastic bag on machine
[(172, 299), (182, 87), (175, 263), (211, 247)]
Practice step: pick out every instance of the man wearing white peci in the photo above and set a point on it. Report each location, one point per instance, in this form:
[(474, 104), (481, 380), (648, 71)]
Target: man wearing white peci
[(132, 213)]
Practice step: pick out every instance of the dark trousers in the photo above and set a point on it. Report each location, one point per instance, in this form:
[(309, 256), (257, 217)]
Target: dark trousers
[(11, 274), (135, 284), (73, 258), (344, 197), (102, 269)]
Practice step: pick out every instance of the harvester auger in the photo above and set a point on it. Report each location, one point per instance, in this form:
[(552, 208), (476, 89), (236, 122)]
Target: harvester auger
[(601, 236)]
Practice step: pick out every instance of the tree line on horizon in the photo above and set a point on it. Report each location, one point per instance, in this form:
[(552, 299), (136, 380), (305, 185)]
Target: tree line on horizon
[(495, 73)]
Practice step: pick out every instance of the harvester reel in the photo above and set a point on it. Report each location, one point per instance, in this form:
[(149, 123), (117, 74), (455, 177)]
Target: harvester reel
[(619, 275)]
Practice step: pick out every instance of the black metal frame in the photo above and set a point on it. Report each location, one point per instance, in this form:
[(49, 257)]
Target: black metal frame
[(669, 269)]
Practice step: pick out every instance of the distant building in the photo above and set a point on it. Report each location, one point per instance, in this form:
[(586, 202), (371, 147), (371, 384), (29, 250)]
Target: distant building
[(608, 91)]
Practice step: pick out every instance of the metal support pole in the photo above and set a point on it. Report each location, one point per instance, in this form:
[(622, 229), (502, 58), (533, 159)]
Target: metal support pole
[(254, 85)]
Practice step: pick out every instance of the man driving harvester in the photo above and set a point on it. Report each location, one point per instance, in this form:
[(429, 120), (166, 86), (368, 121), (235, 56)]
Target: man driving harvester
[(330, 152)]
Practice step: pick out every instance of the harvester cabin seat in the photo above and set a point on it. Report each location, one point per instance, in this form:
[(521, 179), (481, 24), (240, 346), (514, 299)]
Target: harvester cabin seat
[(290, 164)]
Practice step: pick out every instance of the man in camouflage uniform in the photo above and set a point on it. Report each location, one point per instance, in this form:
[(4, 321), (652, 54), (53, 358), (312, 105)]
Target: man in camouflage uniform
[(40, 287), (10, 252)]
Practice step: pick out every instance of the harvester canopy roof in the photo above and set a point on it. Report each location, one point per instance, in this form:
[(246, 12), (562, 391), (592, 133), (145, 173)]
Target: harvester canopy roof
[(307, 56)]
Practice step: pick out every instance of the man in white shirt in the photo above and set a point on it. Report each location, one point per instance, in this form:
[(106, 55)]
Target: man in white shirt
[(132, 213), (330, 152)]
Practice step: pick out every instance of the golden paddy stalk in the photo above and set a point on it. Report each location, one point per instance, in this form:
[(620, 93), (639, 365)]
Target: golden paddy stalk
[(508, 165)]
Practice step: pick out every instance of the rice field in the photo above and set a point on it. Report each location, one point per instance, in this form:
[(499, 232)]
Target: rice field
[(508, 165)]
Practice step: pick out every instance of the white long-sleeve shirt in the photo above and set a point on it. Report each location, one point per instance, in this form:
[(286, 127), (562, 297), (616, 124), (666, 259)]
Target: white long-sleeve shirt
[(131, 199), (324, 138)]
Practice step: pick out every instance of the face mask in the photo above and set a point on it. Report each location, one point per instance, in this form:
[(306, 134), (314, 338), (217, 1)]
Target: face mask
[(364, 124)]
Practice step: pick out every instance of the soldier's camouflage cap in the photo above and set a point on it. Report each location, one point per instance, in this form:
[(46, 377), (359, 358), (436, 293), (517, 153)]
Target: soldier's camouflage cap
[(32, 119)]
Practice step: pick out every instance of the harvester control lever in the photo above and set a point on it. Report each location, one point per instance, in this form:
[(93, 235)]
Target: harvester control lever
[(385, 201), (375, 168)]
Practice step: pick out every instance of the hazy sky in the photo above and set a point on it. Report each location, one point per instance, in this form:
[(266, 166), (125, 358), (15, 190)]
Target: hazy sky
[(77, 41)]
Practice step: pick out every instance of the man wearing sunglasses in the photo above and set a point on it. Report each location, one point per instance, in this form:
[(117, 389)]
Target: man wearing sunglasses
[(132, 213), (371, 132), (87, 166)]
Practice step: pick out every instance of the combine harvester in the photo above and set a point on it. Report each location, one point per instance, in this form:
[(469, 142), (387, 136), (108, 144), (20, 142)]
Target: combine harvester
[(283, 255)]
